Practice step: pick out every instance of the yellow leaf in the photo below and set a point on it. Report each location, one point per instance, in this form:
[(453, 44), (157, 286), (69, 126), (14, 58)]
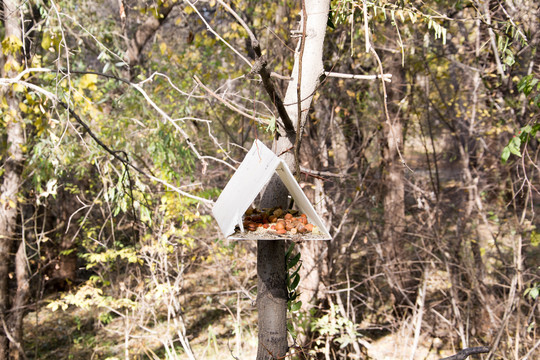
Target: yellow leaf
[(12, 204), (46, 41), (53, 306), (89, 81), (23, 107), (162, 48), (11, 45), (36, 61), (18, 88)]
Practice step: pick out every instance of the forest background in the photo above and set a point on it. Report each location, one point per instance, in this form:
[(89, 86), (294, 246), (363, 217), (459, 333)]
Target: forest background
[(122, 120)]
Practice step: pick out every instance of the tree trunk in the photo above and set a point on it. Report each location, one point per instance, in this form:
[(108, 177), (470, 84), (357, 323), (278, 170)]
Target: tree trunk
[(21, 296), (393, 181), (271, 268), (144, 32), (10, 187), (272, 276)]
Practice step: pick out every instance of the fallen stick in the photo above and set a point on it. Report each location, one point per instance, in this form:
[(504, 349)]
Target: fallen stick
[(465, 353)]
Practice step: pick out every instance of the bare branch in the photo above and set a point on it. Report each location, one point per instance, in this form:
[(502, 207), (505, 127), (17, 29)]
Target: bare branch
[(259, 67), (209, 28), (384, 77), (385, 101), (465, 353), (320, 173), (228, 104)]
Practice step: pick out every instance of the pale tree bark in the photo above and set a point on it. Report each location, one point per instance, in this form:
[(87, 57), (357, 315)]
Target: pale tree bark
[(313, 261), (11, 327), (271, 268)]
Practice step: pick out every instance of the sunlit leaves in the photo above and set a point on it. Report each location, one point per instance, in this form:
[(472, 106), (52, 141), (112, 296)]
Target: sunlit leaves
[(11, 45), (50, 41), (129, 254), (88, 81), (335, 325), (90, 296), (514, 145), (530, 85), (342, 11), (533, 291)]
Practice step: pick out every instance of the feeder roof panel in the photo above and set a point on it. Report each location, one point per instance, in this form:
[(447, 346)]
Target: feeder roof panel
[(249, 180)]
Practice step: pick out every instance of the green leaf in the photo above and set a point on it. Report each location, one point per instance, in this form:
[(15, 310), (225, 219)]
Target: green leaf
[(293, 261), (295, 282), (292, 296), (271, 127), (535, 239), (536, 100), (329, 22), (296, 271), (290, 328), (66, 252), (533, 291), (296, 306), (526, 129), (534, 82), (514, 146), (505, 154), (535, 127), (526, 84), (289, 251)]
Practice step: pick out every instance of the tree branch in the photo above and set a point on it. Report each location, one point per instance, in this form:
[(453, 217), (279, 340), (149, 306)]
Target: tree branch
[(259, 67), (209, 28), (228, 104), (465, 353), (385, 77), (124, 160)]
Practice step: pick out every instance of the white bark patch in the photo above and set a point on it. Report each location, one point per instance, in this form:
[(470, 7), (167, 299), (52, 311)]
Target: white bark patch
[(312, 64)]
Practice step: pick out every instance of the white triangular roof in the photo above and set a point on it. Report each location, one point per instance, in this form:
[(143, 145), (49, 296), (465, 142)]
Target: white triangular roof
[(248, 181)]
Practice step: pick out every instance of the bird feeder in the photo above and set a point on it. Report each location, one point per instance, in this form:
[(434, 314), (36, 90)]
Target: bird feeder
[(255, 171)]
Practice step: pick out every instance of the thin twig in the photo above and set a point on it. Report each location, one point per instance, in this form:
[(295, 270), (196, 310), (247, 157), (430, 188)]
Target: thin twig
[(228, 104), (385, 101), (260, 68), (419, 311), (529, 353), (384, 77), (317, 173), (209, 28)]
